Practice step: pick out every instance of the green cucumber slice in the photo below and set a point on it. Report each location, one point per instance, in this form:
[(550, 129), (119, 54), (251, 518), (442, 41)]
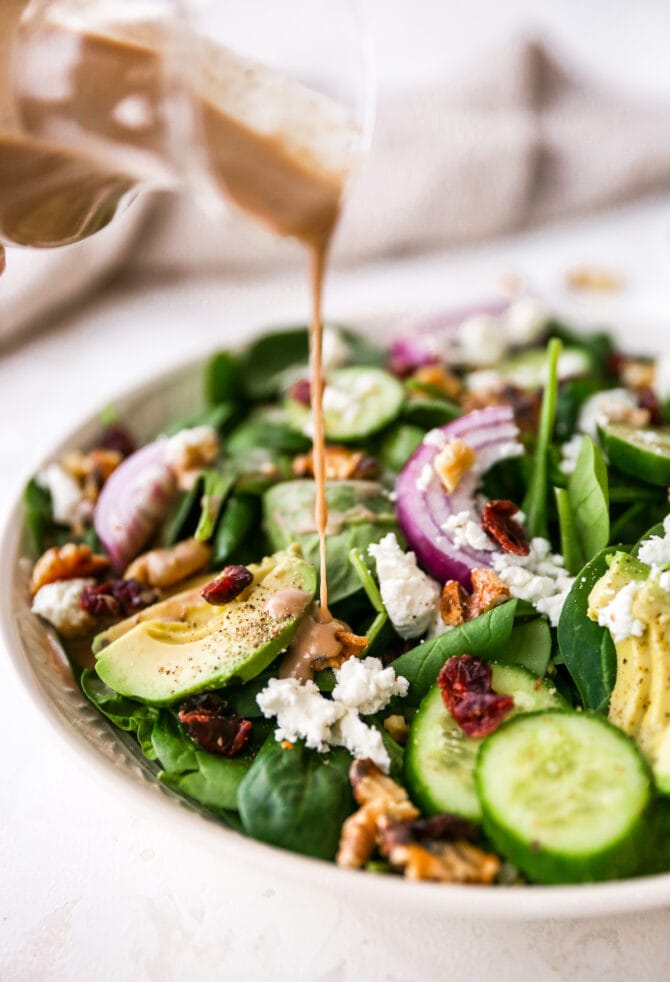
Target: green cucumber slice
[(357, 401), (564, 796), (528, 370), (440, 758), (644, 453)]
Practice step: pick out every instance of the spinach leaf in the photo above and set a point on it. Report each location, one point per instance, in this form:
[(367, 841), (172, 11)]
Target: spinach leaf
[(573, 557), (535, 502), (398, 445), (589, 501), (267, 361), (222, 378), (428, 413), (587, 649), (216, 488), (241, 699), (572, 394), (296, 798), (240, 515), (361, 510), (128, 715), (270, 434), (38, 515), (181, 520), (211, 780), (528, 645), (217, 417), (481, 636), (375, 634)]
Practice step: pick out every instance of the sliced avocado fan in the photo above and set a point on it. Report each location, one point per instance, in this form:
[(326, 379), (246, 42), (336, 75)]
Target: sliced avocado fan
[(184, 645)]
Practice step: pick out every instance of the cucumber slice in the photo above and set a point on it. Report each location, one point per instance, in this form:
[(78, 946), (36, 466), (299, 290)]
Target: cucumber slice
[(440, 758), (644, 453), (564, 796), (357, 401), (528, 370)]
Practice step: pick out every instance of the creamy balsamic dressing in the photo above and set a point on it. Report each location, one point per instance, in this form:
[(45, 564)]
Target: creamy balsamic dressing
[(287, 603), (314, 639)]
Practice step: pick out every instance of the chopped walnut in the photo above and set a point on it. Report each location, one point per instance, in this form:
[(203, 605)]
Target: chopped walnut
[(342, 464), (164, 567), (488, 590), (380, 797), (439, 377), (452, 462), (457, 606), (66, 562), (445, 862), (189, 452), (453, 604), (353, 645), (636, 373), (397, 728), (90, 470), (595, 279)]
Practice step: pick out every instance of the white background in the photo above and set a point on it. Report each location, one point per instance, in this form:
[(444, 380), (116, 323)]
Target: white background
[(95, 885)]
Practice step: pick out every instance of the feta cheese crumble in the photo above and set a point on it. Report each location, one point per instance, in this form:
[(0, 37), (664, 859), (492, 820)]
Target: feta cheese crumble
[(570, 452), (363, 686), (605, 407), (618, 615), (58, 603), (655, 551), (465, 529), (69, 507), (410, 596), (335, 349), (540, 577)]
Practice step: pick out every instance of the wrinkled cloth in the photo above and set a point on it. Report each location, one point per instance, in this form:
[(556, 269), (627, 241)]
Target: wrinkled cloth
[(519, 141)]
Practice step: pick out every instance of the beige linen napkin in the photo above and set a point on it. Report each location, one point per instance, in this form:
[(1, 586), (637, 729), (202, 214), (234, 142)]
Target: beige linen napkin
[(519, 141)]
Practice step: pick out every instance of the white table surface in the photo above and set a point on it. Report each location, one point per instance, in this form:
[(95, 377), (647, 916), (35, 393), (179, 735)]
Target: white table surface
[(97, 886)]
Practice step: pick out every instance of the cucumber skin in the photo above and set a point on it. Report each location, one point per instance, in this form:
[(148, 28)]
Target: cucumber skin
[(542, 865), (635, 460), (420, 789)]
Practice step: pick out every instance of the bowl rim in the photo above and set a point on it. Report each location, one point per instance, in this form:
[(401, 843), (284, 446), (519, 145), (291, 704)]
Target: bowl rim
[(505, 903)]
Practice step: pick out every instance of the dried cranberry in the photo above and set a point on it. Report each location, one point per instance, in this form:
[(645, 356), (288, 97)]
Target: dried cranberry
[(301, 392), (117, 598), (465, 683), (647, 399), (117, 437), (232, 581), (209, 724), (499, 525)]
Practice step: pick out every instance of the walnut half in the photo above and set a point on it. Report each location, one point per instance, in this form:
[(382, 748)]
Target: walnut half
[(69, 562), (488, 590)]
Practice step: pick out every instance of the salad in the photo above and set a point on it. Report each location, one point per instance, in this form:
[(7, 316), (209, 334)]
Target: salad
[(490, 702)]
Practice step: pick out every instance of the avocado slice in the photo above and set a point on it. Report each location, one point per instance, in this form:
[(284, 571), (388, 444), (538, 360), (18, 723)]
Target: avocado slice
[(184, 645), (640, 703)]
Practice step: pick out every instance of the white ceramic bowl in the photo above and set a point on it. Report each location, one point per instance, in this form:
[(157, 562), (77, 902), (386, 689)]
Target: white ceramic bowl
[(44, 671)]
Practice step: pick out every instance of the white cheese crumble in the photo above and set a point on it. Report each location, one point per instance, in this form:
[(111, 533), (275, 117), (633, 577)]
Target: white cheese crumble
[(570, 452), (425, 477), (482, 340), (187, 453), (664, 580), (524, 321), (364, 684), (655, 551), (58, 603), (484, 380), (335, 350), (539, 577), (618, 615), (662, 377), (410, 596), (465, 529), (68, 504), (435, 438), (303, 713), (603, 408)]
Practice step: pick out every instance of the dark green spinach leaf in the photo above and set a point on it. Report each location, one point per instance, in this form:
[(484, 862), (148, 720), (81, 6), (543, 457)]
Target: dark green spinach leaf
[(589, 500), (216, 488), (296, 798), (481, 636), (240, 515), (222, 378), (587, 649), (529, 645), (133, 717)]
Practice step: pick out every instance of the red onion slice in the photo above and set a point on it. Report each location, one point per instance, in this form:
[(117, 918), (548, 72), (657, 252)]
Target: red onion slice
[(424, 341), (133, 502), (423, 505)]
